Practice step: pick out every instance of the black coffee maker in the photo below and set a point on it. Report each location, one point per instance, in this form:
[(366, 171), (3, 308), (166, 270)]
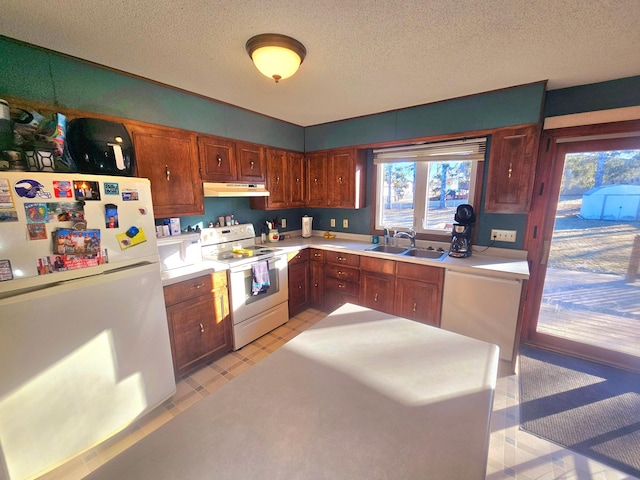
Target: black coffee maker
[(462, 232)]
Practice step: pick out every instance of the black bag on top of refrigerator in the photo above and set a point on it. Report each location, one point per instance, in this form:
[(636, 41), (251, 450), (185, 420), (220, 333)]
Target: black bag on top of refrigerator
[(100, 147)]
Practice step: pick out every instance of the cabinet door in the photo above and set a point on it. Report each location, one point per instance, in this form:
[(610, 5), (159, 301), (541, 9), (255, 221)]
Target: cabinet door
[(276, 178), (298, 287), (316, 288), (418, 301), (295, 171), (377, 291), (217, 159), (168, 158), (316, 180), (195, 332), (512, 166), (340, 183), (251, 162)]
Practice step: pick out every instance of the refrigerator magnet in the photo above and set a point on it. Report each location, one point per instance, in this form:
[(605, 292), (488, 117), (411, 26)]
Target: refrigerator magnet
[(85, 190), (111, 188), (5, 271), (37, 231), (132, 237), (130, 195), (111, 215), (62, 189)]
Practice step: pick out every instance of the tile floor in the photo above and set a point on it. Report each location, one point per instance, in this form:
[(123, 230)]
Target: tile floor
[(513, 453)]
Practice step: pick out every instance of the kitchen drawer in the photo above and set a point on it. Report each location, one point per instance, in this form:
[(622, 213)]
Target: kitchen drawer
[(423, 273), (378, 265), (333, 284), (341, 258), (316, 255), (341, 273), (192, 288), (301, 256)]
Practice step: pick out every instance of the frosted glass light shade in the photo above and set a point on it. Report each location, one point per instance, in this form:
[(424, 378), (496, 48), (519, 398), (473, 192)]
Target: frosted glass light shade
[(276, 56)]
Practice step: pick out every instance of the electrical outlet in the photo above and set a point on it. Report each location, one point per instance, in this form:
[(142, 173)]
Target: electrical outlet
[(345, 223), (283, 223), (503, 235), (333, 222)]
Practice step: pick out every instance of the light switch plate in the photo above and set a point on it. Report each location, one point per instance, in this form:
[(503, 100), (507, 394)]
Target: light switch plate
[(345, 223), (283, 223), (333, 222)]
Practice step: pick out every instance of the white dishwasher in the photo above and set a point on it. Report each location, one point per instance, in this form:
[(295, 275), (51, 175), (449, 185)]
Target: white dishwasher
[(482, 307)]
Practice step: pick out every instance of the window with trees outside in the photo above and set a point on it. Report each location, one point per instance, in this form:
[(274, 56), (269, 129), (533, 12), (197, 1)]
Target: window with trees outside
[(419, 187)]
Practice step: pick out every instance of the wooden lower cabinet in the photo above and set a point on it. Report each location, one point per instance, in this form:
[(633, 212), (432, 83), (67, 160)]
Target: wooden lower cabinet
[(377, 283), (418, 292), (341, 279), (299, 280), (199, 321), (316, 287)]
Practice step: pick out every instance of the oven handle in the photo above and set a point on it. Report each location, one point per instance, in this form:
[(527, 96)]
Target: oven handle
[(272, 263)]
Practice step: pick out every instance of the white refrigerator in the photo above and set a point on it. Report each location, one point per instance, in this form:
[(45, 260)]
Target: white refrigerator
[(84, 342)]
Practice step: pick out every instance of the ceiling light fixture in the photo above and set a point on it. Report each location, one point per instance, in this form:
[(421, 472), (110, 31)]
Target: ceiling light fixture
[(276, 56)]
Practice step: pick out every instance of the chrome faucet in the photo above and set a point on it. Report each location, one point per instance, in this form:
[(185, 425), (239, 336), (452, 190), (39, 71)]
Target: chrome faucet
[(411, 235)]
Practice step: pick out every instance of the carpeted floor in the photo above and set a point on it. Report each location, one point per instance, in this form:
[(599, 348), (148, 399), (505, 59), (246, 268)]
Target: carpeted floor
[(590, 408)]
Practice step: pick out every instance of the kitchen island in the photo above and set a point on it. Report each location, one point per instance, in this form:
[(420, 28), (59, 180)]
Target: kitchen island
[(361, 395)]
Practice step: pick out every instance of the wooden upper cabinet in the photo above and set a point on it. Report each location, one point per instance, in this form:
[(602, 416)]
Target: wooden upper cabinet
[(251, 162), (285, 181), (512, 166), (296, 164), (217, 159), (223, 160), (277, 178), (334, 178), (169, 159), (316, 180)]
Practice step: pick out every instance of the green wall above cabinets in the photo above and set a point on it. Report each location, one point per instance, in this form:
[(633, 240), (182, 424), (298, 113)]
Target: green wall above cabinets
[(500, 108), (37, 74)]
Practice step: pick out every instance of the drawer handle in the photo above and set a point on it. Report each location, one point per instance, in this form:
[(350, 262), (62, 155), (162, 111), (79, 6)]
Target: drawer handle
[(200, 285), (414, 307), (375, 297), (317, 255), (167, 172), (341, 272), (342, 285), (201, 329), (219, 158), (222, 309), (341, 259)]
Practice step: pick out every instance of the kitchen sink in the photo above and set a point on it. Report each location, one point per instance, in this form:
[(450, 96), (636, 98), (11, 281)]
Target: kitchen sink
[(386, 249), (419, 253)]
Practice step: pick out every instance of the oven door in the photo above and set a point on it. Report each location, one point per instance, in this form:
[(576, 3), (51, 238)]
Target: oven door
[(244, 305)]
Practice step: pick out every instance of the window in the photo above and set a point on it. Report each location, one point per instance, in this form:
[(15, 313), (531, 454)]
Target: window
[(420, 186)]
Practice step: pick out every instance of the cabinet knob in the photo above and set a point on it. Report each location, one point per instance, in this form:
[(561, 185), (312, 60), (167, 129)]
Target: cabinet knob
[(167, 172), (219, 158), (315, 180), (375, 297), (341, 285), (251, 163), (277, 180), (510, 169), (414, 307), (340, 272), (201, 329)]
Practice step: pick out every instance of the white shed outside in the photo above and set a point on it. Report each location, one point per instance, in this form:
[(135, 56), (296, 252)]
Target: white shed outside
[(611, 202)]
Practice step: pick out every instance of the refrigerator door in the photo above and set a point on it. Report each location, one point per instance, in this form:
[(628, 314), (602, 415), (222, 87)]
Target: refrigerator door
[(79, 362), (34, 206)]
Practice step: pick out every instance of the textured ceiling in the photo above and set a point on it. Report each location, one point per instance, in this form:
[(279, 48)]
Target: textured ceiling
[(363, 56)]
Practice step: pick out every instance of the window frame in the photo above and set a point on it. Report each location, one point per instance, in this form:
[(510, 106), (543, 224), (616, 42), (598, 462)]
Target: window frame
[(421, 178)]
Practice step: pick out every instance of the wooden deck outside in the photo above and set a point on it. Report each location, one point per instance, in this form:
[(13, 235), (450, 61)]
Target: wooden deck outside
[(595, 309)]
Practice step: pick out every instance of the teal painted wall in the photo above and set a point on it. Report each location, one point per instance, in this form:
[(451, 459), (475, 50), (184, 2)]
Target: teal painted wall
[(500, 108), (45, 76)]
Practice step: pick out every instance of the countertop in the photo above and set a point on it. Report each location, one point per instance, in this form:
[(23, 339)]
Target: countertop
[(361, 395), (499, 262)]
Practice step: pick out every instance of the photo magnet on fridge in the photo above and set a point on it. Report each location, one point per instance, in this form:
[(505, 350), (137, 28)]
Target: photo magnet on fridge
[(62, 189), (111, 188), (111, 215), (86, 190)]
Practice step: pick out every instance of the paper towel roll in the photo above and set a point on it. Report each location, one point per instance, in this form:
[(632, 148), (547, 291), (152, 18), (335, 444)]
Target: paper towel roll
[(306, 226)]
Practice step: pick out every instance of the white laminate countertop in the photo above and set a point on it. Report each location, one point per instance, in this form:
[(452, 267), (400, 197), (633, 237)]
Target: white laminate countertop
[(361, 395), (503, 263)]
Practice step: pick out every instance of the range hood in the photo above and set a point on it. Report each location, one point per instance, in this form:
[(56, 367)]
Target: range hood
[(235, 190)]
